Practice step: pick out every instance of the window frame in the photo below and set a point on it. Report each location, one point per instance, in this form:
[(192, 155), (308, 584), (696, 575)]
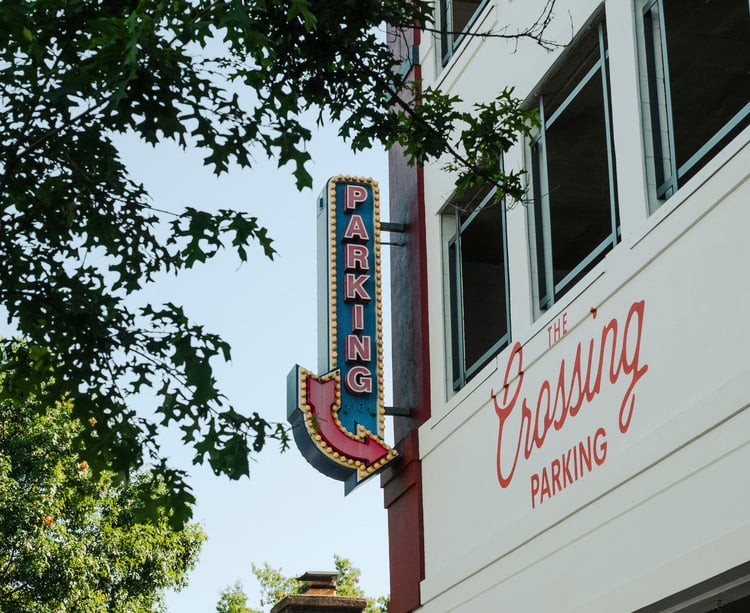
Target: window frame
[(450, 40), (546, 291), (668, 176), (460, 373)]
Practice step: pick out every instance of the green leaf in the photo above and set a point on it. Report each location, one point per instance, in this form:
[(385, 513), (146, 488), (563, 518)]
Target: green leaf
[(76, 539), (232, 81)]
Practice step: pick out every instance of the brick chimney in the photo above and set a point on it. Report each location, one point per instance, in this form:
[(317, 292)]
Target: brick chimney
[(319, 596)]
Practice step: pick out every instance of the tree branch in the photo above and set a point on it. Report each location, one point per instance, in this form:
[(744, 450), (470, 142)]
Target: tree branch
[(534, 32)]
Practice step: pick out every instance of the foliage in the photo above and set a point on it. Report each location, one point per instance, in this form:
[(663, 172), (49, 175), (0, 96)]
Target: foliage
[(275, 585), (483, 135), (79, 238), (348, 585), (74, 541), (233, 600)]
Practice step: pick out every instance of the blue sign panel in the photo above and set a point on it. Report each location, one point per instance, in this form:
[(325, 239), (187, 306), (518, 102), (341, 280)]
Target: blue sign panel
[(339, 417)]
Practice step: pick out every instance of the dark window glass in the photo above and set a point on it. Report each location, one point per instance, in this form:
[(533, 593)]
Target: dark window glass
[(698, 56), (483, 283), (456, 17), (575, 212), (478, 292), (463, 11), (578, 180)]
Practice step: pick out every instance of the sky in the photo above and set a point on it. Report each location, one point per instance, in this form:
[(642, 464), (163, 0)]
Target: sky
[(286, 514)]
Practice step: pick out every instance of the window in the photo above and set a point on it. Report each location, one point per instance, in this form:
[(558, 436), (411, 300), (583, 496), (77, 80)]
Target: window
[(456, 17), (698, 66), (478, 282), (574, 219)]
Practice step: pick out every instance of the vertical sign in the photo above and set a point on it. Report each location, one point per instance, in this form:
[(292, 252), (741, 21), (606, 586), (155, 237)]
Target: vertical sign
[(338, 416)]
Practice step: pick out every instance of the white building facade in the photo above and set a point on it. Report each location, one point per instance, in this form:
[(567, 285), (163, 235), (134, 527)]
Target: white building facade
[(587, 441)]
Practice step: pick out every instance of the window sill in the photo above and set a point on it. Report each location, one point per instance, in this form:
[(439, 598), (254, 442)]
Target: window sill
[(450, 413), (693, 185)]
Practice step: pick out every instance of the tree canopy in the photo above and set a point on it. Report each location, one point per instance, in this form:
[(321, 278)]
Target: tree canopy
[(79, 238), (74, 541)]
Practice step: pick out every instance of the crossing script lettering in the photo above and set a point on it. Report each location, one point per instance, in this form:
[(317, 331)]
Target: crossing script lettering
[(528, 417)]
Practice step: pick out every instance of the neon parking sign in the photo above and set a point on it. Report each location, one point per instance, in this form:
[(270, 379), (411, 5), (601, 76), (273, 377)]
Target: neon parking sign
[(338, 417)]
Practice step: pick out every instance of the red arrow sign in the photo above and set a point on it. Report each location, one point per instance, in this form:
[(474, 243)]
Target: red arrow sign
[(321, 397)]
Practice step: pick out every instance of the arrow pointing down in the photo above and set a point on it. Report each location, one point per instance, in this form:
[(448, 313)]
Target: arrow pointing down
[(321, 397)]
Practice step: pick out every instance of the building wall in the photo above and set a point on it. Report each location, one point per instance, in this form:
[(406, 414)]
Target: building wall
[(402, 481), (619, 474)]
